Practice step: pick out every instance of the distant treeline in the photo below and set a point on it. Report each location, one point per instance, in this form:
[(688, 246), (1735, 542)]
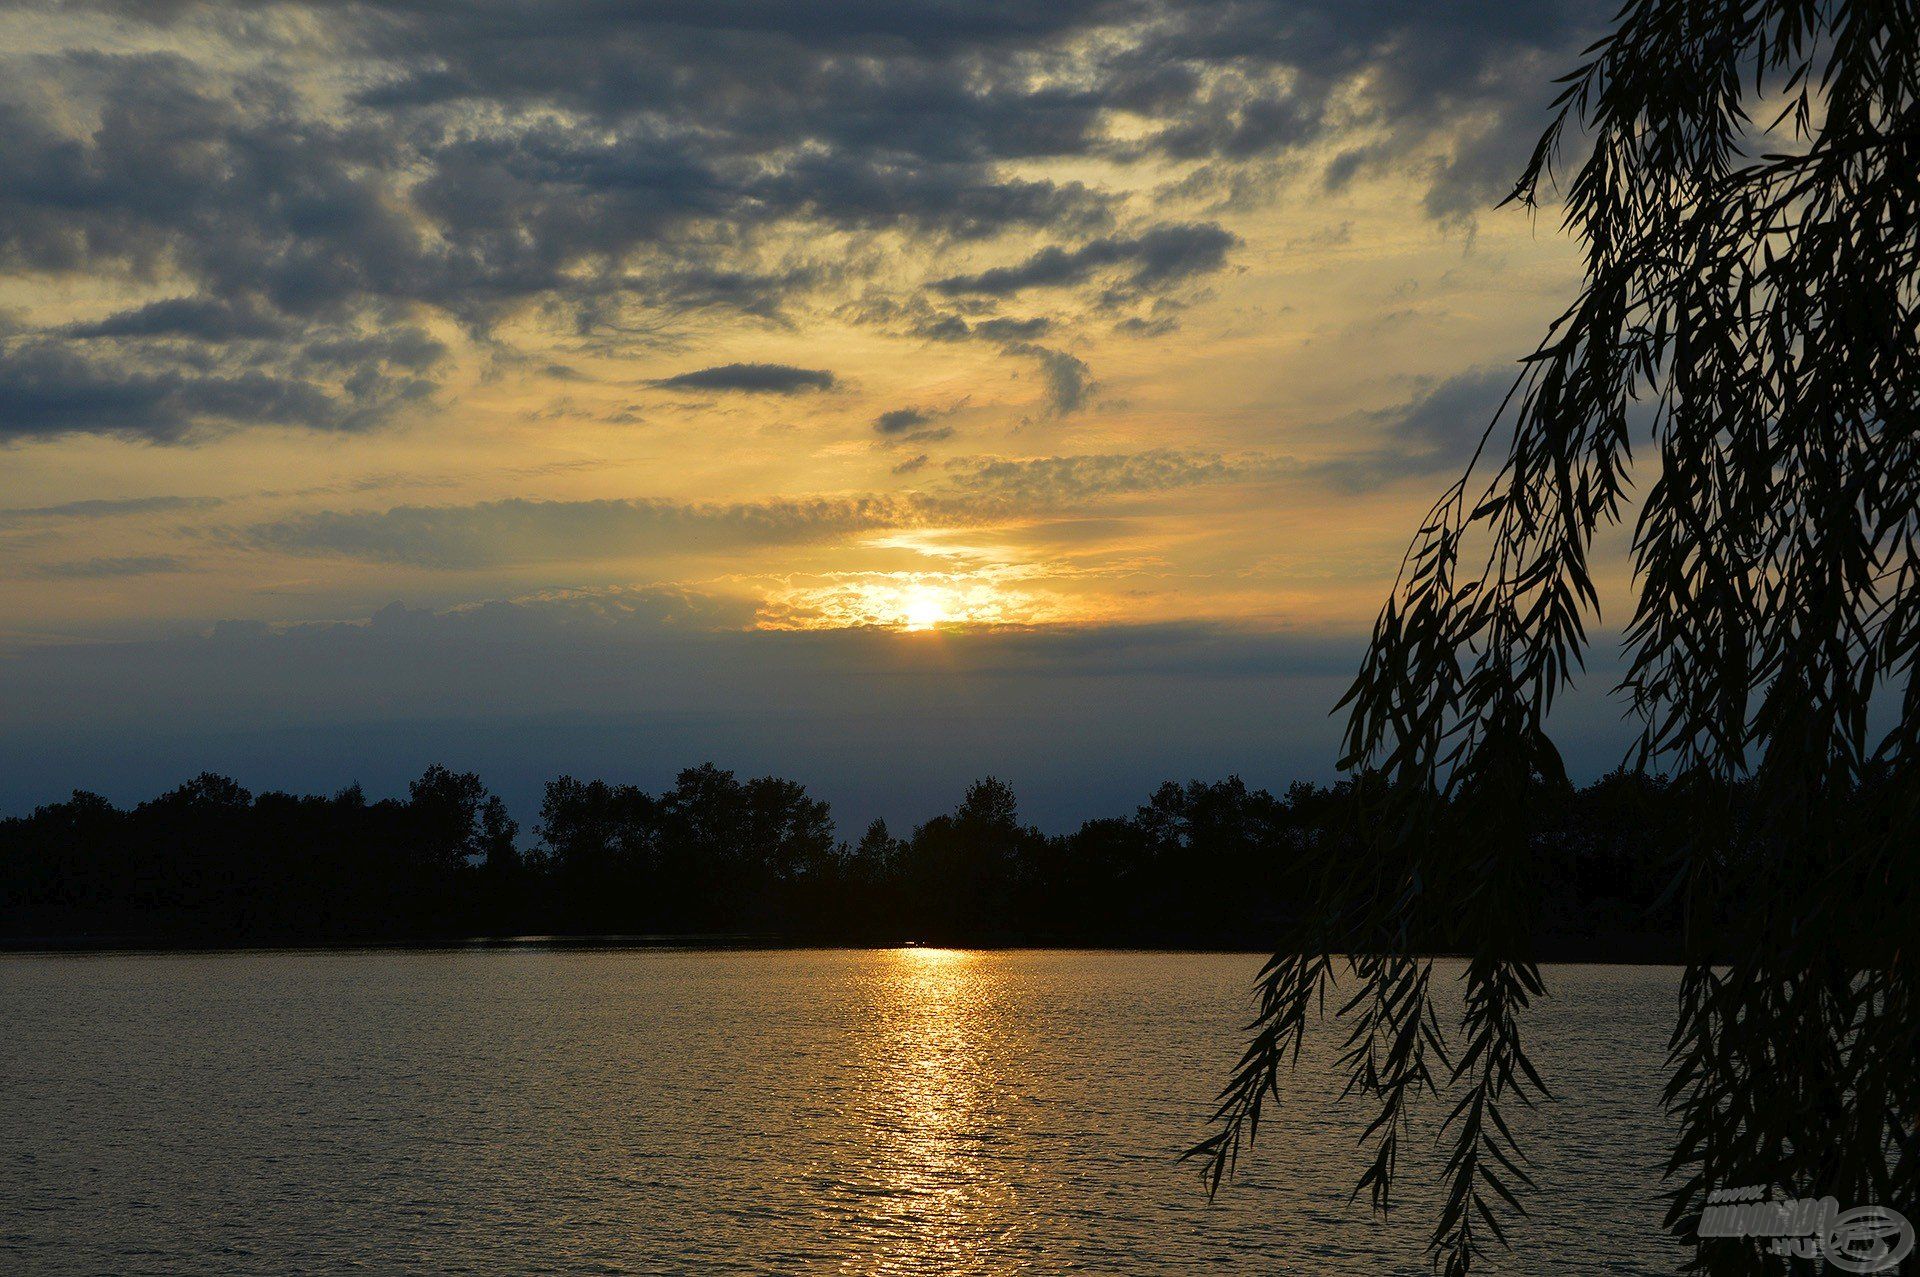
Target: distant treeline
[(1199, 864)]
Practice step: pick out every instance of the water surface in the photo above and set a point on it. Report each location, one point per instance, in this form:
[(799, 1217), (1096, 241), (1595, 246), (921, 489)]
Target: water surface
[(649, 1111)]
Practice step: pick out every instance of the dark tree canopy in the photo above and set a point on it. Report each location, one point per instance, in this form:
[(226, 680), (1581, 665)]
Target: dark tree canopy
[(721, 856), (1748, 196)]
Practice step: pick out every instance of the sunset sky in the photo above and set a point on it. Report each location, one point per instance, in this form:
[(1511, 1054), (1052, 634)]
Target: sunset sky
[(882, 392)]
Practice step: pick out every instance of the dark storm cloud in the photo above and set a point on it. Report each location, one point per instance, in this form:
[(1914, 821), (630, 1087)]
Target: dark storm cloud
[(1162, 255), (765, 379), (619, 167)]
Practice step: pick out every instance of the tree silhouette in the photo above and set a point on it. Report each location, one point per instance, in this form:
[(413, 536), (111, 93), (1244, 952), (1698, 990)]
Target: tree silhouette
[(210, 863), (1749, 205), (459, 819), (966, 872)]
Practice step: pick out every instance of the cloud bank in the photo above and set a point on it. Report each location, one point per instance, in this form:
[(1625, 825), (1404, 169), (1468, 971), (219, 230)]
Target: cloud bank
[(333, 198)]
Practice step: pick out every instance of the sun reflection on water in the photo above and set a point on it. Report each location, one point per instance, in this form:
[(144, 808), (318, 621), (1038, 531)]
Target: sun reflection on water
[(941, 1192)]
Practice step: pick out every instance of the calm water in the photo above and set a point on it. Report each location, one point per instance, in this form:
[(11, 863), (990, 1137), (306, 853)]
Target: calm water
[(911, 1111)]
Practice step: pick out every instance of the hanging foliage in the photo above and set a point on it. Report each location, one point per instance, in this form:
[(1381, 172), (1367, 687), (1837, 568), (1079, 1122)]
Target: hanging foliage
[(1748, 198)]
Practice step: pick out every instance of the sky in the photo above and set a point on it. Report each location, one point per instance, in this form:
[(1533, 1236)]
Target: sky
[(877, 392)]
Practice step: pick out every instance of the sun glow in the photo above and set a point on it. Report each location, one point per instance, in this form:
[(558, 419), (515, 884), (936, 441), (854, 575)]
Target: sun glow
[(914, 602), (923, 608)]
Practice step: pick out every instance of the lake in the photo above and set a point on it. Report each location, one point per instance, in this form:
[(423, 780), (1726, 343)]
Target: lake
[(655, 1111)]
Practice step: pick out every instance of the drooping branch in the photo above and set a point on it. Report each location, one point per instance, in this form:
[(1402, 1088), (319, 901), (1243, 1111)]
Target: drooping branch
[(1751, 312)]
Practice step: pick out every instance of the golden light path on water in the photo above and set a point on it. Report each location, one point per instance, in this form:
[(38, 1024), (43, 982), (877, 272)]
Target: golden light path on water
[(939, 1100), (991, 1125), (863, 1112)]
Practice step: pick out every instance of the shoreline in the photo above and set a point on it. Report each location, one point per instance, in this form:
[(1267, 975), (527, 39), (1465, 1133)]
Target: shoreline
[(1622, 950)]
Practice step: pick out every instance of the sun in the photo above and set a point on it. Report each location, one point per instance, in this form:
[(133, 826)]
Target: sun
[(923, 608)]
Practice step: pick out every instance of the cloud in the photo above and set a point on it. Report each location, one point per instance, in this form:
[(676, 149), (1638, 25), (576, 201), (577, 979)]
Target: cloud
[(1068, 381), (106, 507), (915, 425), (636, 684), (1071, 481), (946, 326), (969, 490), (1163, 255), (1007, 329), (770, 379), (48, 390), (1433, 432), (900, 420), (203, 318), (521, 531), (1448, 420), (316, 178), (110, 567)]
